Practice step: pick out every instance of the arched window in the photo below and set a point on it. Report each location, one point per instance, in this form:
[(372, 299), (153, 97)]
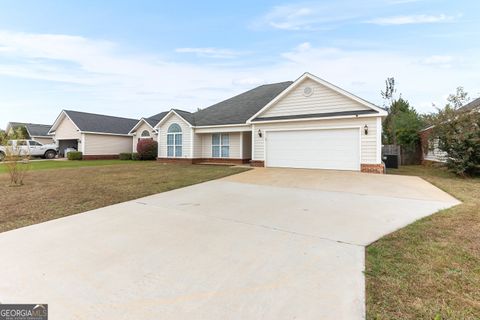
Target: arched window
[(145, 134), (174, 141)]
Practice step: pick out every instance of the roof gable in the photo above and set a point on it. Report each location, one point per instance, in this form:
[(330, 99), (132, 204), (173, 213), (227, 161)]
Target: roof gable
[(322, 98), (238, 109), (185, 116), (37, 130)]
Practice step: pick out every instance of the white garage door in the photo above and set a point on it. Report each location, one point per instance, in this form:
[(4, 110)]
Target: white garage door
[(336, 149)]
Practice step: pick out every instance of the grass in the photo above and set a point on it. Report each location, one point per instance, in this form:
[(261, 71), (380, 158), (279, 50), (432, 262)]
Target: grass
[(51, 194), (56, 164), (431, 268)]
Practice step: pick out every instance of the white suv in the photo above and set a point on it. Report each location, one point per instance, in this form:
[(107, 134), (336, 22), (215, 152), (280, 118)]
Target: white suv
[(31, 148)]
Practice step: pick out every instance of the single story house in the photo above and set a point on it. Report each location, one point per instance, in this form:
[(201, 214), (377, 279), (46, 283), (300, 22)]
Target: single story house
[(430, 150), (37, 132), (96, 136), (307, 123), (145, 129)]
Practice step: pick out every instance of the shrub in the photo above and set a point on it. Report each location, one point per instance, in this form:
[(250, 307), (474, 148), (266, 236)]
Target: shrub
[(75, 155), (135, 156), (125, 156), (458, 134), (147, 149)]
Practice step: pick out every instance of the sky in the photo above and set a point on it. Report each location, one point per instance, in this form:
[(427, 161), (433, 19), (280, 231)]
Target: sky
[(138, 58)]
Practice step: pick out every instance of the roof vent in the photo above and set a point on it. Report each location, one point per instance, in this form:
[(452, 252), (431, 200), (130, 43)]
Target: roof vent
[(307, 91)]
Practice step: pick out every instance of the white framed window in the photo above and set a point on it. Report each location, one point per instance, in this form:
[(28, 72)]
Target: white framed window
[(145, 134), (174, 141), (220, 145)]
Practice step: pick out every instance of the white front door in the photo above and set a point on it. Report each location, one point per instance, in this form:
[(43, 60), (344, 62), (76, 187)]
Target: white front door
[(337, 149)]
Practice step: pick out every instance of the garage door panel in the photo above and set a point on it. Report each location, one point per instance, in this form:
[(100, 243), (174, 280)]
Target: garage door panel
[(318, 149)]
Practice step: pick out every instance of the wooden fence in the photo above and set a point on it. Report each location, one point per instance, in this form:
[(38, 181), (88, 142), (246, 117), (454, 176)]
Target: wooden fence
[(406, 155)]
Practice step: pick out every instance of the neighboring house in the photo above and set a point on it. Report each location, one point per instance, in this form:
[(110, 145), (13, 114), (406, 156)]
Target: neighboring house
[(145, 129), (308, 123), (96, 136), (431, 153), (37, 132)]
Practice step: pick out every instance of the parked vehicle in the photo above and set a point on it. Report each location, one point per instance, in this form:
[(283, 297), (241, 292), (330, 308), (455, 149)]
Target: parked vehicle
[(30, 148)]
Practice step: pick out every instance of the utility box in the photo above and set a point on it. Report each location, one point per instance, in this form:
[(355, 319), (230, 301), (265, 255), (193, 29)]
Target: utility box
[(391, 161)]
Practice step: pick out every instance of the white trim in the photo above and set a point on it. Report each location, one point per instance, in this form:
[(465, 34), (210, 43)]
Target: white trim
[(327, 84), (138, 124), (168, 115), (265, 132), (241, 145), (192, 138), (319, 118), (58, 119), (82, 141), (222, 125), (107, 134), (379, 140), (242, 128), (253, 142)]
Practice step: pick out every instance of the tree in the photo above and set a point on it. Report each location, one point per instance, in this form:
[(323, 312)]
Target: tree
[(457, 133), (402, 124)]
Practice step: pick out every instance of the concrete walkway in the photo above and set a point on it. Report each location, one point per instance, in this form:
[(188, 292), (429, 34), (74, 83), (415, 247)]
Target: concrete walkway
[(265, 244)]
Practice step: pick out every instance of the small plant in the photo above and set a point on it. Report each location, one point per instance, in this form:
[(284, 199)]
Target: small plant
[(125, 156), (147, 149), (135, 156), (17, 164), (75, 155)]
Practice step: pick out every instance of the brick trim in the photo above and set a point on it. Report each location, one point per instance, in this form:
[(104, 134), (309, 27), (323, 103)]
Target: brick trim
[(221, 160), (100, 156), (373, 168), (176, 160), (257, 163), (206, 160)]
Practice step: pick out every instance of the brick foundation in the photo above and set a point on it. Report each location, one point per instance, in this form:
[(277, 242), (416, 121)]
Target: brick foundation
[(100, 156), (257, 163), (221, 160), (176, 160), (372, 168)]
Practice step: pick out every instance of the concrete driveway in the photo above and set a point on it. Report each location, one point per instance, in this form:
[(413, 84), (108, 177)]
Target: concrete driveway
[(264, 244)]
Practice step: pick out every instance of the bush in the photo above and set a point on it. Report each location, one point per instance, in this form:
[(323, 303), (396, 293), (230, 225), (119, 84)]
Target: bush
[(147, 149), (75, 155), (135, 156), (458, 134), (125, 156)]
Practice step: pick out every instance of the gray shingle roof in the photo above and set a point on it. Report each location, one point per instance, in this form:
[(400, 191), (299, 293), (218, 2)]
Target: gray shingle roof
[(155, 119), (188, 116), (101, 123), (239, 109), (471, 105), (317, 115), (37, 130)]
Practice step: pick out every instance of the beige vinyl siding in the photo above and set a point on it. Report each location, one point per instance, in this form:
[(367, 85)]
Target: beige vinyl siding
[(234, 145), (368, 143), (186, 136), (247, 145), (66, 130), (101, 144), (198, 145), (322, 100), (138, 134), (43, 140)]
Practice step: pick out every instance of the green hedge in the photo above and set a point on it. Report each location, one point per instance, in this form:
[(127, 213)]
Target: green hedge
[(75, 155), (135, 156), (125, 156)]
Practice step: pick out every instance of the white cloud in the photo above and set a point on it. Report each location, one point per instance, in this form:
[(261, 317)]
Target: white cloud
[(211, 52), (95, 75), (309, 16), (412, 19)]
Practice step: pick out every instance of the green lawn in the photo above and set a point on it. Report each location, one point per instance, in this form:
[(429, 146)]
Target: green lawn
[(58, 164), (55, 193), (431, 268)]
